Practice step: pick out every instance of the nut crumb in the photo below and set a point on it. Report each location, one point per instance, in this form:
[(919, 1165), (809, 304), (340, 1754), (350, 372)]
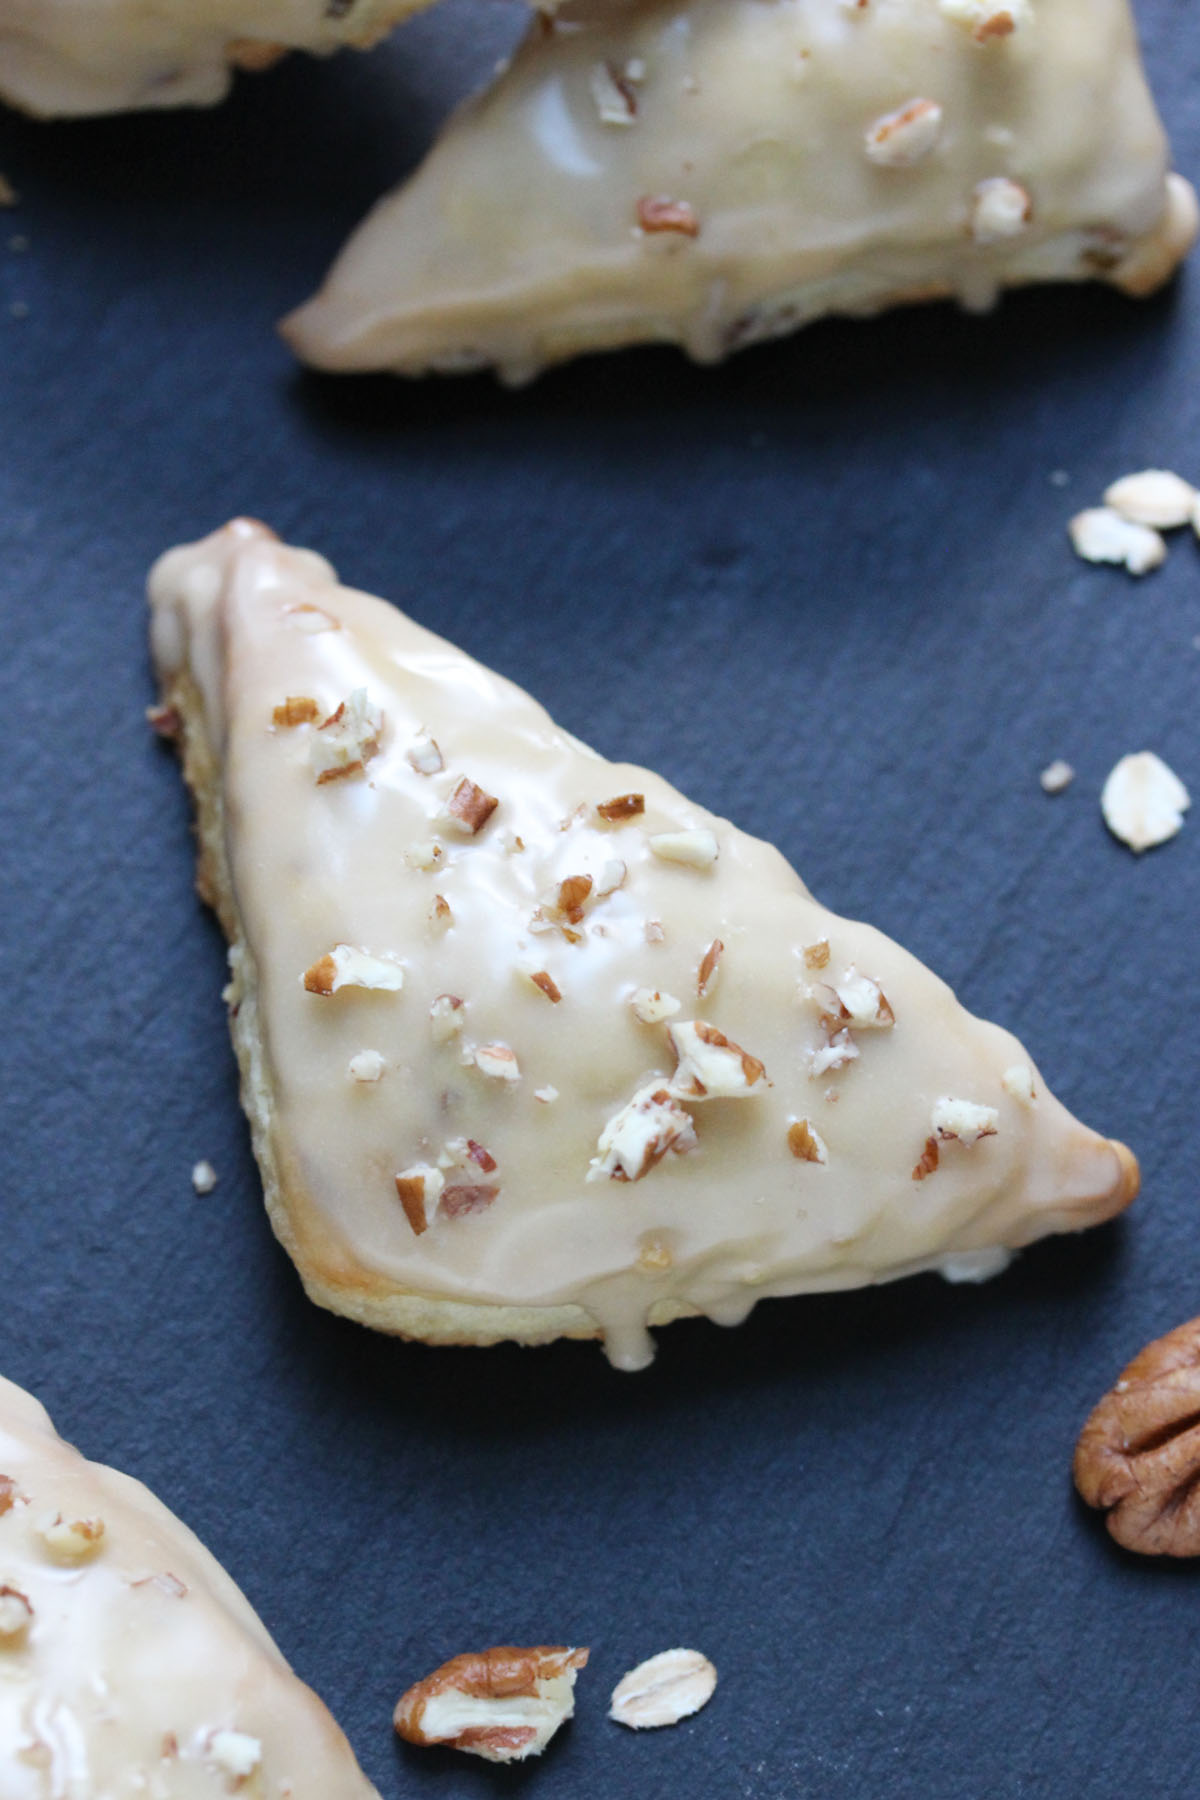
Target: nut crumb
[(204, 1177), (657, 212), (440, 915), (806, 1144), (424, 756), (419, 1189), (548, 986), (1100, 535), (348, 739), (963, 1120), (446, 1018), (654, 931), (840, 1050), (708, 967), (1017, 1082), (16, 1614), (625, 806), (696, 849), (503, 1704), (654, 1256), (70, 1540), (666, 1688), (929, 1159), (1143, 801), (1056, 776), (901, 138), (297, 709), (469, 808), (547, 1095), (652, 1006), (1000, 209), (425, 855), (367, 1066), (497, 1060), (345, 966), (816, 956), (711, 1066), (235, 1753), (640, 1134), (616, 101), (165, 722)]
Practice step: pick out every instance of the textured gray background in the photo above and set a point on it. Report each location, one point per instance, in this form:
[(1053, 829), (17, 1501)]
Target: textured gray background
[(825, 589)]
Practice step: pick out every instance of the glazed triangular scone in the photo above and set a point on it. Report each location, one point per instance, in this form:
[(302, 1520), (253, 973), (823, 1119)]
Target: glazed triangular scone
[(532, 1045), (68, 57), (130, 1664), (713, 172)]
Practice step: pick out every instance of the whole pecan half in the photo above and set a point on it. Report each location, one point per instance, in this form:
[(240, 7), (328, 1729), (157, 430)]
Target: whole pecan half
[(1138, 1456), (503, 1704)]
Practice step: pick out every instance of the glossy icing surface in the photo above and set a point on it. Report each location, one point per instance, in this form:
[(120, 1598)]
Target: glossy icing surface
[(519, 1094), (63, 57), (137, 1668), (709, 172)]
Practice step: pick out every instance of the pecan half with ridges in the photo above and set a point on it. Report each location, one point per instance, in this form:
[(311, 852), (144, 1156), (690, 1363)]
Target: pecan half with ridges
[(1138, 1456), (503, 1704)]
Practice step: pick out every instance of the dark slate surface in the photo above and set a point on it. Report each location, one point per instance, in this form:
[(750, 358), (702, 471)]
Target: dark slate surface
[(827, 590)]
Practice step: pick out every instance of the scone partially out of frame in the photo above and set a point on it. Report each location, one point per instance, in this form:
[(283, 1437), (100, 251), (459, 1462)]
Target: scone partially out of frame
[(131, 1665), (65, 57), (714, 172), (532, 1045)]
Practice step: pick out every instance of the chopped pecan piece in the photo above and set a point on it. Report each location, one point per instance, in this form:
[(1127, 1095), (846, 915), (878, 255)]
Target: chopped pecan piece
[(8, 1493), (711, 1066), (297, 709), (347, 740), (640, 1135), (928, 1160), (345, 966), (467, 1197), (1138, 1456), (469, 807), (419, 1189), (805, 1144), (658, 212), (625, 806), (503, 1704), (816, 956), (571, 897), (16, 1614), (708, 967), (548, 986)]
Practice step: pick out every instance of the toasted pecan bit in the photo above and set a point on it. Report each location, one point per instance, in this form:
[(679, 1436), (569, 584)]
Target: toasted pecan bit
[(319, 979), (8, 1493), (930, 1157), (470, 807), (1138, 1456), (445, 1017), (711, 1066), (482, 1158), (347, 740), (16, 1614), (503, 1704), (964, 1120), (816, 956), (616, 101), (854, 1000), (497, 1060), (654, 1257), (901, 138), (572, 893), (999, 25), (419, 1190), (71, 1540), (625, 806), (640, 1134), (805, 1144), (839, 1050), (467, 1197), (424, 756), (297, 709), (652, 1006), (548, 986), (439, 911), (658, 212), (708, 966), (164, 721)]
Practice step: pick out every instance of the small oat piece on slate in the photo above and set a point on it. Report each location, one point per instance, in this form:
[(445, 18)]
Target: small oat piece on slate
[(1144, 801), (664, 1689)]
